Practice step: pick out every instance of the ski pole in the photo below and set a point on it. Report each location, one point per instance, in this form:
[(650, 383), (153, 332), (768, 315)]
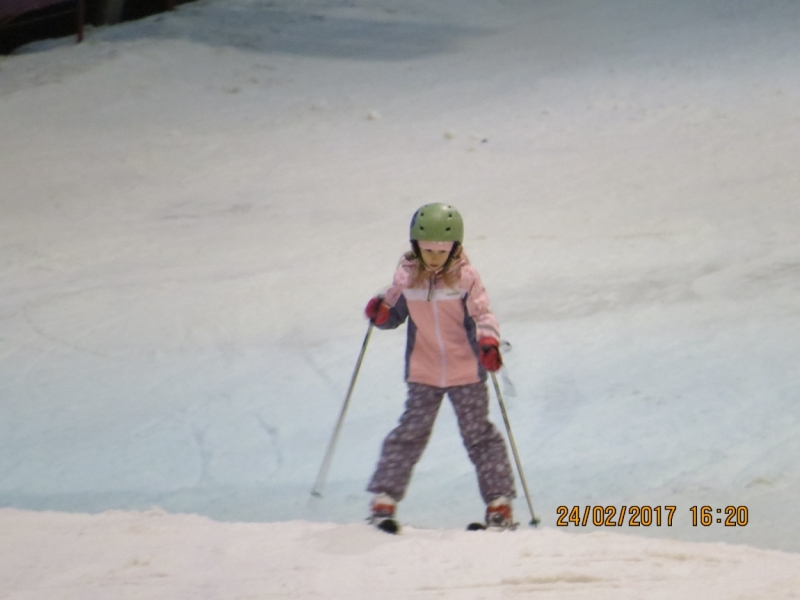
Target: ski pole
[(534, 520), (316, 491)]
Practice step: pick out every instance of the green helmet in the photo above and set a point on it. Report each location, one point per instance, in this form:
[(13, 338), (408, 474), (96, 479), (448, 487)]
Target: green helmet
[(437, 223)]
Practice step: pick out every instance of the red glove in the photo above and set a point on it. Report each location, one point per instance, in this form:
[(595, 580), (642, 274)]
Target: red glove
[(377, 311), (490, 354)]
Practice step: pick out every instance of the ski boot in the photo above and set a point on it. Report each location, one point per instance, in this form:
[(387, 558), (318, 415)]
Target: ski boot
[(381, 515), (498, 516)]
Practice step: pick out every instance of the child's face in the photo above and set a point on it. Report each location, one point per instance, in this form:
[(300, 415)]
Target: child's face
[(434, 259)]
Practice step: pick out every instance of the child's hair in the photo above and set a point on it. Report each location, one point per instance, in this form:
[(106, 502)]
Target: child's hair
[(421, 276)]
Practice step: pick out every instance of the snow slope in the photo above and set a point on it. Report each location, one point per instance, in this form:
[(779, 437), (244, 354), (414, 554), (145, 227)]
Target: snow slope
[(195, 208), (155, 555)]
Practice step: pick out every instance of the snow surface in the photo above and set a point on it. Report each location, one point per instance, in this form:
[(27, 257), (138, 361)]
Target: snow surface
[(195, 207), (125, 555)]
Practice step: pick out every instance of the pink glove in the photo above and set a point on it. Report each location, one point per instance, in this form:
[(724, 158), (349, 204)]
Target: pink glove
[(490, 354), (377, 311)]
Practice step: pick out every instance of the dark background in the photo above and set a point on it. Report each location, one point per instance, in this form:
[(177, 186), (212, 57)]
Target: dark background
[(61, 19)]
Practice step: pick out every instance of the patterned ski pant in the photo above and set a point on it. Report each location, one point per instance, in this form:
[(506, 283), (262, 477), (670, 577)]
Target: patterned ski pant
[(403, 447)]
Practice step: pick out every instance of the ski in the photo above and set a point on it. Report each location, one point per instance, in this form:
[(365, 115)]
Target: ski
[(392, 526), (388, 526), (477, 526)]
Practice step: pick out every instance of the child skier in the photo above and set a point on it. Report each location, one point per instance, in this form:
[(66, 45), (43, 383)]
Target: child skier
[(453, 339)]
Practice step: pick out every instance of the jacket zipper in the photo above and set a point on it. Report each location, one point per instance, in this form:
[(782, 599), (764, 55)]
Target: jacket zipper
[(438, 331)]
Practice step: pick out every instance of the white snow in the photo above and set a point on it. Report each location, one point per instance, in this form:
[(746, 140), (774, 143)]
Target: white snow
[(154, 555), (195, 207)]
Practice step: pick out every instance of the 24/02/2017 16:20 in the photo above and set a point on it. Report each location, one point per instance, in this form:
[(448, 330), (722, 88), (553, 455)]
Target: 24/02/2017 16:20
[(645, 516)]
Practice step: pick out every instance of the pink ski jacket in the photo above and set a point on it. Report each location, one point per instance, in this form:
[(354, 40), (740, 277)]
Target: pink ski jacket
[(444, 324)]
